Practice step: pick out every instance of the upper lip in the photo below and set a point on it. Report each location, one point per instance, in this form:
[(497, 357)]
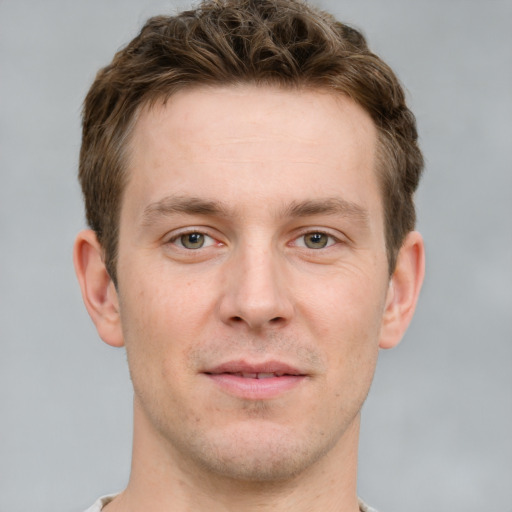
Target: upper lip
[(243, 366)]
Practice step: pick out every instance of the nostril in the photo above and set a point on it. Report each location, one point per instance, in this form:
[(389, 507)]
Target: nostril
[(273, 321)]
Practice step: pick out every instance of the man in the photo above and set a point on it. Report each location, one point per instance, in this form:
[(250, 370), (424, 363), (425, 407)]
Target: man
[(248, 170)]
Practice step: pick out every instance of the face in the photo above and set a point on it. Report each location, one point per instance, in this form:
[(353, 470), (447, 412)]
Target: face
[(252, 276)]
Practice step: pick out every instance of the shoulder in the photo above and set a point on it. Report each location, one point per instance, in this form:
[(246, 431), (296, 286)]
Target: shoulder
[(100, 503), (363, 507)]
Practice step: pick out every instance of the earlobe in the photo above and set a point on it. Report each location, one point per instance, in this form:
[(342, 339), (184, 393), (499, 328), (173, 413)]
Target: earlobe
[(98, 290), (404, 288)]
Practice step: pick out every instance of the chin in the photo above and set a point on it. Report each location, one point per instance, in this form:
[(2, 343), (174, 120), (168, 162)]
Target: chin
[(262, 453)]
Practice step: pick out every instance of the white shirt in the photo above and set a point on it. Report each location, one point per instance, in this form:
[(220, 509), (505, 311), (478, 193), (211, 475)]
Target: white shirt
[(101, 502)]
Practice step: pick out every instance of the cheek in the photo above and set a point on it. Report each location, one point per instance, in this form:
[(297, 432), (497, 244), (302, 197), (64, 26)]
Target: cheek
[(146, 313), (346, 318), (162, 318), (158, 301), (348, 307)]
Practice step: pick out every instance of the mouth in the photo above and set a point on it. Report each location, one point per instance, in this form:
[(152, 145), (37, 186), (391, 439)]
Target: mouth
[(260, 375), (255, 381)]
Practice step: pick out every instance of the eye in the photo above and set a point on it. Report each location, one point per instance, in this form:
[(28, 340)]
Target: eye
[(315, 240), (193, 240)]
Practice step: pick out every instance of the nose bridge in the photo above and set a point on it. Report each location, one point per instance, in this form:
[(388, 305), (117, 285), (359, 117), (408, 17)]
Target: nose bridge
[(255, 295)]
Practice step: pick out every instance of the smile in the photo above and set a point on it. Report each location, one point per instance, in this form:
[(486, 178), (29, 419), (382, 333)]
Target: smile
[(259, 375), (255, 381)]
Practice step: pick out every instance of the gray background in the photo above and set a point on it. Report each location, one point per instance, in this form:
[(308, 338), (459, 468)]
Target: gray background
[(437, 427)]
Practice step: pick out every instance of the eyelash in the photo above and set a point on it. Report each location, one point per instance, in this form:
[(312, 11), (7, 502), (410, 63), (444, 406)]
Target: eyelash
[(176, 238), (331, 239)]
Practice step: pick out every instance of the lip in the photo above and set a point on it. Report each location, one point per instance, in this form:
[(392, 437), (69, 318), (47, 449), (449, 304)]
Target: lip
[(253, 381)]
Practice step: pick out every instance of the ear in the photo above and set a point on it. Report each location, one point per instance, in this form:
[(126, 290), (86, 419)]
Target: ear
[(404, 289), (98, 291)]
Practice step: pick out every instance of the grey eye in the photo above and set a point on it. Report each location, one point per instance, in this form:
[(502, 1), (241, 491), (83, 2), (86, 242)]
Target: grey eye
[(192, 240), (316, 240)]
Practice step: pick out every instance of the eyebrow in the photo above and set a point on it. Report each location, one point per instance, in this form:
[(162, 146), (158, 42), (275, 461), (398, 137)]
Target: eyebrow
[(183, 204), (188, 205), (327, 206)]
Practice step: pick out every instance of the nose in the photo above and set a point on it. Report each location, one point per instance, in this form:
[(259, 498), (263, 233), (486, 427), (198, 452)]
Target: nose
[(255, 293)]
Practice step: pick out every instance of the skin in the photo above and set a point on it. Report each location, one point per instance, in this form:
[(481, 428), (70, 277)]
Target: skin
[(281, 189)]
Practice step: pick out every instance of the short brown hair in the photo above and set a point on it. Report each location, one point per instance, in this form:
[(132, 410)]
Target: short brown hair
[(284, 43)]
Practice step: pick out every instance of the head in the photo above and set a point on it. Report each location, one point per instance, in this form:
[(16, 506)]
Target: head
[(282, 43), (248, 169)]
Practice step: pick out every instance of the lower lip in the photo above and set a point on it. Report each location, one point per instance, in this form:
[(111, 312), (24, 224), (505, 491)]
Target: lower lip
[(255, 389)]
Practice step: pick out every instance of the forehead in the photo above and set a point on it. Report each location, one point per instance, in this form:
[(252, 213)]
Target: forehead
[(309, 114), (262, 140)]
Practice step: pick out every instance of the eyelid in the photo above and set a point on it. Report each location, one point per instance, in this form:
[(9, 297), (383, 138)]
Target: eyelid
[(174, 236), (336, 239)]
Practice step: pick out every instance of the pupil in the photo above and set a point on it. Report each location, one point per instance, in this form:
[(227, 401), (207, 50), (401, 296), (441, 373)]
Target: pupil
[(193, 240), (316, 240)]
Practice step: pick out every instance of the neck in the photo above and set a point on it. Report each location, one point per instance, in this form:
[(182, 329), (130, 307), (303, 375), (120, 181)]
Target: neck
[(161, 480)]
